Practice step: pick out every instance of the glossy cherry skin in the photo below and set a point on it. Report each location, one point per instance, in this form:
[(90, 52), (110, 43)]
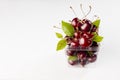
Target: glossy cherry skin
[(84, 42), (87, 35), (83, 63), (77, 34), (94, 29), (70, 52), (74, 44), (82, 55), (71, 62), (79, 25), (75, 22), (87, 25), (92, 58), (94, 46)]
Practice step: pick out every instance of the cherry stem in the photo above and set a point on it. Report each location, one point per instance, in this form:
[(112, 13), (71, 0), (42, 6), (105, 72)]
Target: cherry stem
[(85, 15), (73, 10), (56, 27), (82, 9), (70, 21), (88, 11), (96, 16)]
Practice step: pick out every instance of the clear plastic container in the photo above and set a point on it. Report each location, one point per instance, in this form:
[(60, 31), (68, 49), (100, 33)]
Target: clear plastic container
[(82, 56)]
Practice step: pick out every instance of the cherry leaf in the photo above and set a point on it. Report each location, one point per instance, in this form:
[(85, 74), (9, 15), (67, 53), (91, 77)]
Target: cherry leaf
[(59, 35), (98, 38), (67, 28), (96, 23), (61, 44), (73, 58)]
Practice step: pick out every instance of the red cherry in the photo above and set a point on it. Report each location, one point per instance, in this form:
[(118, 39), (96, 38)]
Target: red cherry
[(82, 55), (79, 25), (76, 40), (84, 42), (87, 35), (70, 52), (74, 44), (77, 34), (75, 22), (72, 62), (87, 24), (83, 63), (94, 29), (94, 46), (92, 58)]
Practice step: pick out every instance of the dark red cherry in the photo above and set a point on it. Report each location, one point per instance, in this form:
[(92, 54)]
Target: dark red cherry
[(70, 52), (94, 46), (84, 42), (68, 39), (75, 22), (79, 25), (87, 35), (86, 27), (94, 29), (77, 34), (83, 63), (74, 44), (82, 55), (92, 58), (72, 62), (76, 40)]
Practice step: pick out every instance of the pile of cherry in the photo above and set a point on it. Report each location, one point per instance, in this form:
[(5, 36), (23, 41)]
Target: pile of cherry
[(81, 48)]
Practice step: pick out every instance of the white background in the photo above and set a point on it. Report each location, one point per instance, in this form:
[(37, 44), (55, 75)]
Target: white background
[(28, 41)]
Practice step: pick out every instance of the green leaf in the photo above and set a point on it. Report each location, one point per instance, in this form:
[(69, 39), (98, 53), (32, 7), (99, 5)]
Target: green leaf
[(61, 44), (59, 35), (72, 58), (98, 38), (96, 23), (67, 28), (95, 34)]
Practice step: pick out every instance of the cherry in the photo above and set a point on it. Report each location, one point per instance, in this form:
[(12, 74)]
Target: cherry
[(68, 39), (87, 35), (76, 40), (70, 52), (77, 34), (86, 27), (74, 44), (83, 63), (92, 58), (75, 22), (79, 25), (84, 42), (82, 55), (94, 46), (72, 62), (94, 29)]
